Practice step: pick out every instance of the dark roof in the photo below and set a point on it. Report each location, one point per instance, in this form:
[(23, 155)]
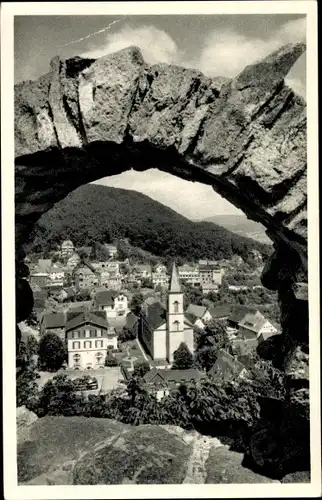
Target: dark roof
[(196, 311), (156, 315), (131, 320), (226, 367), (266, 335), (220, 311), (173, 375), (106, 297), (239, 312), (54, 320), (190, 317), (86, 317)]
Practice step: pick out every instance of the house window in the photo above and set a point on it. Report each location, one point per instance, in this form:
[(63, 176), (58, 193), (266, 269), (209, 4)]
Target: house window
[(87, 333), (98, 343), (76, 345), (76, 358), (75, 335), (176, 306), (98, 333), (176, 326), (87, 344)]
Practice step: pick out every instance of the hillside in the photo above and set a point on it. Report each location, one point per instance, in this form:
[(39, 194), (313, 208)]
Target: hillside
[(100, 213), (239, 224)]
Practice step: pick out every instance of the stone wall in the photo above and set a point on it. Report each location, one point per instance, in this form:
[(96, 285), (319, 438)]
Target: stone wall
[(86, 119)]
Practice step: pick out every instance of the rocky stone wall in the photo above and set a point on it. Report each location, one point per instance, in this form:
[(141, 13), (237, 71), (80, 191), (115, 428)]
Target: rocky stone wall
[(86, 119)]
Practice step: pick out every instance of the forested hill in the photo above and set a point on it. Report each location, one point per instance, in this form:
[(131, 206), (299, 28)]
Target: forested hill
[(94, 213)]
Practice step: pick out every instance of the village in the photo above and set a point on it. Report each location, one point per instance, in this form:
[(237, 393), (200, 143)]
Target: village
[(116, 315)]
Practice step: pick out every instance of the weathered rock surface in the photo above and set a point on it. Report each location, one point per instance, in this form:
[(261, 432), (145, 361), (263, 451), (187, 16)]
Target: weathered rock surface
[(91, 118), (24, 420), (76, 450)]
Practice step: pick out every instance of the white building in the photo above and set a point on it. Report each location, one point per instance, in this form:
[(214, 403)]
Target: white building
[(88, 339), (161, 331), (254, 325), (189, 274), (160, 279), (111, 249), (113, 302), (57, 276), (67, 249)]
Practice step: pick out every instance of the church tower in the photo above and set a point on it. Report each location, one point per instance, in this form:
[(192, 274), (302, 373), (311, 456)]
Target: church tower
[(175, 319)]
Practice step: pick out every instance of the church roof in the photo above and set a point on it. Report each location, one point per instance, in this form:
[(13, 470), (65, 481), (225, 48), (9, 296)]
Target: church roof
[(156, 315), (174, 283)]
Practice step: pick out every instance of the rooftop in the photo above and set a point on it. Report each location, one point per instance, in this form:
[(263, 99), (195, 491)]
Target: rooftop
[(86, 317), (226, 367), (196, 311), (253, 321), (175, 282)]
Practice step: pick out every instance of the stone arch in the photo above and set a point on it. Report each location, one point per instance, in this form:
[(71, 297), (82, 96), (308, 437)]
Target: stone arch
[(86, 119)]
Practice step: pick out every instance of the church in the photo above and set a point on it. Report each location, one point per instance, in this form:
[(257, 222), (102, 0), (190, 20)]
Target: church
[(162, 330)]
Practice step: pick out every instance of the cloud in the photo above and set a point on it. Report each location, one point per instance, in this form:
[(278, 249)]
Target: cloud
[(156, 45), (226, 52)]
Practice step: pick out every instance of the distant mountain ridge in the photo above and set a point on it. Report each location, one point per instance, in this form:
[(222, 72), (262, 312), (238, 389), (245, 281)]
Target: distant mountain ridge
[(239, 224), (96, 213)]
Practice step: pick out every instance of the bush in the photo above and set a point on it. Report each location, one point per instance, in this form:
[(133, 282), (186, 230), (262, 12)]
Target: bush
[(111, 361), (182, 357), (52, 352), (141, 368)]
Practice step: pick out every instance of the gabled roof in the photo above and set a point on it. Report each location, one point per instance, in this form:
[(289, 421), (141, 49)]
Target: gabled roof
[(196, 311), (80, 306), (54, 320), (226, 367), (156, 315), (106, 297), (220, 311), (86, 317), (173, 375), (253, 322), (239, 312), (131, 320), (175, 282), (266, 335)]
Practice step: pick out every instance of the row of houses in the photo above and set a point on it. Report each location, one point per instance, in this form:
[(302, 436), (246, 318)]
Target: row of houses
[(161, 382), (243, 323)]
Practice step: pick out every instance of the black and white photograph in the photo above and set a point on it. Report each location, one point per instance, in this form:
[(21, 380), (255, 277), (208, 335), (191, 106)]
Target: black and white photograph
[(160, 245)]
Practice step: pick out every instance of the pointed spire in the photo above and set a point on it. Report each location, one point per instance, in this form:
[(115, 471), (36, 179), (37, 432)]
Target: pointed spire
[(174, 283)]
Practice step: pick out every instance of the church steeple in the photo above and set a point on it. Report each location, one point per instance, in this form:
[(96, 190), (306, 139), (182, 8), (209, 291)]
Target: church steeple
[(175, 283)]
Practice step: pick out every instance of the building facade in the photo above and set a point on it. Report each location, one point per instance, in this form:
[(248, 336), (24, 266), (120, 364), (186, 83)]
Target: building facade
[(190, 274), (161, 329), (67, 249), (88, 338)]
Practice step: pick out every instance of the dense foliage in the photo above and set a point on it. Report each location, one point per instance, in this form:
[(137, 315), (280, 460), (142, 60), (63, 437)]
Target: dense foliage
[(182, 358), (52, 352), (94, 213)]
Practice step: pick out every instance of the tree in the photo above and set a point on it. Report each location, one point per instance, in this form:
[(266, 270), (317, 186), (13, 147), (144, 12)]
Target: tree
[(32, 345), (126, 334), (136, 303), (141, 368), (110, 360), (182, 357), (26, 387), (52, 352)]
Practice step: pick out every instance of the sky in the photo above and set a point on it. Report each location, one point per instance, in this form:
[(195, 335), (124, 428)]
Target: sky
[(217, 45)]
